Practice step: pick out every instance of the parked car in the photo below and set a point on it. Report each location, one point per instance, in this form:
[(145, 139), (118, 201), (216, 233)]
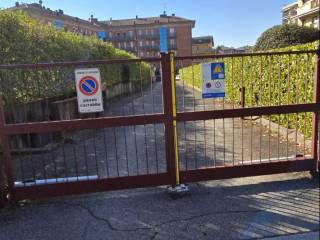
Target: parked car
[(158, 75)]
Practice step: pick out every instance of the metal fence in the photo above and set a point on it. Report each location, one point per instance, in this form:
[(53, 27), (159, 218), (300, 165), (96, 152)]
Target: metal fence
[(158, 132)]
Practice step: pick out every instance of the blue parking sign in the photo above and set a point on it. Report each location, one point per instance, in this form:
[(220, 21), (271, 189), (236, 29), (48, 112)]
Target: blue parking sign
[(163, 40)]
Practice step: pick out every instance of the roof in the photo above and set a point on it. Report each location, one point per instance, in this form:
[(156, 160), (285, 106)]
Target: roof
[(162, 19), (288, 6), (201, 40)]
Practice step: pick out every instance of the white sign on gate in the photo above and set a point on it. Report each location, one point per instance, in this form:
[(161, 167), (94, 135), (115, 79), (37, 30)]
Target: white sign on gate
[(213, 80), (88, 85)]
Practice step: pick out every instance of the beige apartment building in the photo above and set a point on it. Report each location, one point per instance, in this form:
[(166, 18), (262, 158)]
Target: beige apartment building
[(141, 36), (202, 45), (58, 19), (302, 12)]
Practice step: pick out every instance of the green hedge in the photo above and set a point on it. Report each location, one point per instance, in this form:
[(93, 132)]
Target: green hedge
[(269, 80), (23, 40), (280, 36)]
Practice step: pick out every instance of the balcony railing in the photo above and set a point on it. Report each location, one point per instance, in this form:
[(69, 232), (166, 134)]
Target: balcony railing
[(150, 48), (172, 46), (120, 38), (290, 13), (152, 36), (172, 34), (129, 48)]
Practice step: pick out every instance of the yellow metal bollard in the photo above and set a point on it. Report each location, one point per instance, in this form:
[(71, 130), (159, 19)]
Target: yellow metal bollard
[(174, 111)]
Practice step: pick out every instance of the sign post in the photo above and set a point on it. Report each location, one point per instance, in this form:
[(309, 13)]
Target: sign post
[(213, 80), (88, 85)]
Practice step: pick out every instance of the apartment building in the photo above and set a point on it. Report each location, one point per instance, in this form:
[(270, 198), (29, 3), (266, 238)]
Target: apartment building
[(202, 45), (302, 12), (141, 36), (59, 20)]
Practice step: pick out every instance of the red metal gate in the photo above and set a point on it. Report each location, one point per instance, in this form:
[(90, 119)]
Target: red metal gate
[(158, 133), (259, 125)]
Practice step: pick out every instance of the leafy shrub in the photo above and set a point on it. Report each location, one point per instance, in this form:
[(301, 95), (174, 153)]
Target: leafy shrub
[(269, 81), (286, 35), (23, 40)]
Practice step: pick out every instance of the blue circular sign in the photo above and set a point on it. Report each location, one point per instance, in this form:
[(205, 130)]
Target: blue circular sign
[(88, 85)]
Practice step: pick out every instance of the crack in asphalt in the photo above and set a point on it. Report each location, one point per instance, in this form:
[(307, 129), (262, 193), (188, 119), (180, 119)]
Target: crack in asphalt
[(154, 227), (105, 220)]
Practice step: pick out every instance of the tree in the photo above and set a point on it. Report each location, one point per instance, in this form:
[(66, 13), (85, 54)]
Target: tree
[(281, 36)]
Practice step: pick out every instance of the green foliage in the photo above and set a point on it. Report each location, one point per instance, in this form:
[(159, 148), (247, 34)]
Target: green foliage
[(269, 81), (286, 35), (23, 40)]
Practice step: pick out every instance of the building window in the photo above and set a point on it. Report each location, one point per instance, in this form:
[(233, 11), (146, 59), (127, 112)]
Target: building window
[(131, 44), (147, 43), (153, 43), (172, 30), (172, 41), (124, 44), (141, 54), (140, 32), (119, 45), (130, 33), (141, 44)]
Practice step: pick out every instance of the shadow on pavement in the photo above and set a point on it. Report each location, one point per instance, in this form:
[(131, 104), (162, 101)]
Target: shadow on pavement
[(246, 208)]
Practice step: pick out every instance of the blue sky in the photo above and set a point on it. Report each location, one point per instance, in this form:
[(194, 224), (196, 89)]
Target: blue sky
[(231, 22)]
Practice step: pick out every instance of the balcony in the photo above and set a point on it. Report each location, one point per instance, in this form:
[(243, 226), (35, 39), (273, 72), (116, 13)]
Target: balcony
[(289, 14), (172, 47), (152, 36), (129, 49), (150, 48), (309, 7), (315, 4), (120, 38), (172, 35)]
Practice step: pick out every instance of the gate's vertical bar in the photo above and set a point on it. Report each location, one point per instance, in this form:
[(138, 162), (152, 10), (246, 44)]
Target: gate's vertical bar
[(6, 150), (174, 110), (169, 124), (315, 119)]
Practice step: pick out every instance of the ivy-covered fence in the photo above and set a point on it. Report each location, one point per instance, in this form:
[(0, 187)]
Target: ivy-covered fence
[(269, 80), (28, 93), (24, 41)]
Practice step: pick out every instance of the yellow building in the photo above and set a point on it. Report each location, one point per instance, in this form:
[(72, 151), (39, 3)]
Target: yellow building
[(302, 12), (202, 45)]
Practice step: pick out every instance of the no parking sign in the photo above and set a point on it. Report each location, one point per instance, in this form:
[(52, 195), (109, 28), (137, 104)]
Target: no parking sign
[(88, 85)]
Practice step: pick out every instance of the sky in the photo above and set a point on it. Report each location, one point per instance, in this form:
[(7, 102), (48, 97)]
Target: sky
[(233, 23)]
